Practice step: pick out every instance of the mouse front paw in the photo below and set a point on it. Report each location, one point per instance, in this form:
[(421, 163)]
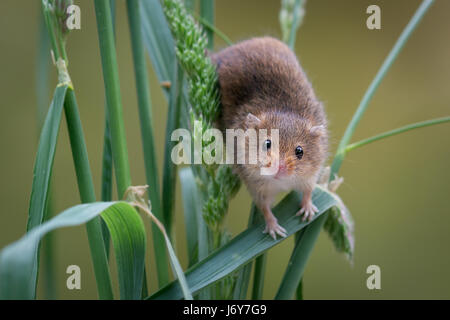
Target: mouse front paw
[(274, 229), (308, 211)]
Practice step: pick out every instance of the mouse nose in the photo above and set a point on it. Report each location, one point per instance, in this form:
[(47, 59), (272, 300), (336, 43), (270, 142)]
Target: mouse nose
[(282, 168)]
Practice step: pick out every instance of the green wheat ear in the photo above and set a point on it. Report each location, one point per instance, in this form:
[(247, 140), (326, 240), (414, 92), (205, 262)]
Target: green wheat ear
[(191, 48)]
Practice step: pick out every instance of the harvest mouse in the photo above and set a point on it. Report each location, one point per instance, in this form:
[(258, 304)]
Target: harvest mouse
[(263, 86)]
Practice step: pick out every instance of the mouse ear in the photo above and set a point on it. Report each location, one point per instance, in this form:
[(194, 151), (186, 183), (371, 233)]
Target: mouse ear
[(252, 120), (318, 130)]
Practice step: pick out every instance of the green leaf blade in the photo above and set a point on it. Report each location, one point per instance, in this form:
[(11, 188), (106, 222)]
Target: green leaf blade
[(44, 159), (246, 246), (18, 261), (128, 238)]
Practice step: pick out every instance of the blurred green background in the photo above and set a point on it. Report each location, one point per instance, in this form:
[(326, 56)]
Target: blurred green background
[(397, 189)]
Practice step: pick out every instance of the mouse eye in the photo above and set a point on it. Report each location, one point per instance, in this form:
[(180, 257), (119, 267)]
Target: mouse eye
[(267, 144), (299, 152)]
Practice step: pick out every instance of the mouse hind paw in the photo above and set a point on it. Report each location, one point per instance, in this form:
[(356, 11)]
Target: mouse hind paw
[(308, 211), (274, 229)]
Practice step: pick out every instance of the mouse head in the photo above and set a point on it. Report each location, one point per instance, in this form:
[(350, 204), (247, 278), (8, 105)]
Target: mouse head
[(297, 151)]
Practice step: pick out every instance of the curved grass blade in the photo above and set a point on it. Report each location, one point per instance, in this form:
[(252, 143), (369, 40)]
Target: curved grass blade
[(42, 99), (18, 261), (128, 237), (178, 271), (44, 159), (246, 246), (135, 194)]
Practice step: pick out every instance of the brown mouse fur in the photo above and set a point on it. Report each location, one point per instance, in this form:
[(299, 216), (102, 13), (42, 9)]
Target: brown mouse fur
[(263, 86)]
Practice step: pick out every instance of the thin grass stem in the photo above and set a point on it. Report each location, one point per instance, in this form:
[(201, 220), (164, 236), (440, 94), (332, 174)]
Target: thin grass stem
[(392, 56), (107, 165), (113, 96), (394, 132), (87, 194), (214, 29)]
